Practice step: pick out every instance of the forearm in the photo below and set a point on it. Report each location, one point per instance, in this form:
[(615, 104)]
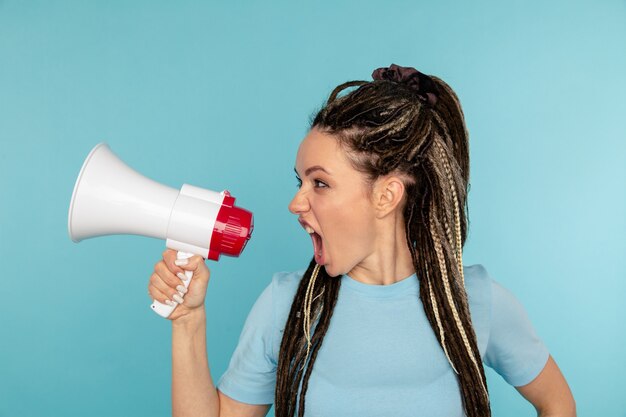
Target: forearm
[(193, 391)]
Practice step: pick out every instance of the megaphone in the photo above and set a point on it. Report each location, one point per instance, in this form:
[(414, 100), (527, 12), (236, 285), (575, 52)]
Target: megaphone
[(111, 198)]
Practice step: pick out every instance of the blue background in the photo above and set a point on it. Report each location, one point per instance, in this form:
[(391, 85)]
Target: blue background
[(219, 95)]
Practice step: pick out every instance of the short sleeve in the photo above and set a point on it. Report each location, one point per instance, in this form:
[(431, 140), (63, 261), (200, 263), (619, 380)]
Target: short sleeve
[(251, 374), (513, 350)]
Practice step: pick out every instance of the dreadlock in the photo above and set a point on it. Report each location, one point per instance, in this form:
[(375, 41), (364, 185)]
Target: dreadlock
[(385, 127)]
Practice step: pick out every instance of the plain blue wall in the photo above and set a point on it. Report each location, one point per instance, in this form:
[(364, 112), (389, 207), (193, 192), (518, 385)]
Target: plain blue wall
[(219, 94)]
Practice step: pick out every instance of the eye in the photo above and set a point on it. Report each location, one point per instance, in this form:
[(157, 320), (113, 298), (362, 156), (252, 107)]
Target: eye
[(316, 183), (320, 184)]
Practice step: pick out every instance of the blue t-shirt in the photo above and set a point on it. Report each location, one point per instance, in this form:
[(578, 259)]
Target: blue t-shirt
[(380, 355)]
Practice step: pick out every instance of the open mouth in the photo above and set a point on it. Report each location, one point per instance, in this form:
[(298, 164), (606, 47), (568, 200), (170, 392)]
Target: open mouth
[(318, 246)]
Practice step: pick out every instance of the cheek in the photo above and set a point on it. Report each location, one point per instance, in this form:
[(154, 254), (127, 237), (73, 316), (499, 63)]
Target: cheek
[(352, 229)]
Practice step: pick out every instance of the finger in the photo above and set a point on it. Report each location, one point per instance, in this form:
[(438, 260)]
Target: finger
[(173, 294), (166, 275), (169, 257), (192, 263), (157, 295)]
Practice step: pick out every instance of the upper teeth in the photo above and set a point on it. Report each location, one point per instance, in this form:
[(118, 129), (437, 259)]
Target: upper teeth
[(309, 229)]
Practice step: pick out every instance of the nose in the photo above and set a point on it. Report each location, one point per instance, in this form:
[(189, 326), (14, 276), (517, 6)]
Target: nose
[(299, 203)]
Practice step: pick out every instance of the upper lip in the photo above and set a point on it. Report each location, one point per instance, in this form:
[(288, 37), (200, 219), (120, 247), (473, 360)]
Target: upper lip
[(305, 224)]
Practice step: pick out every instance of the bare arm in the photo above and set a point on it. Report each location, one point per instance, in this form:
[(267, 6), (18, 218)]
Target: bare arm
[(193, 390), (549, 393)]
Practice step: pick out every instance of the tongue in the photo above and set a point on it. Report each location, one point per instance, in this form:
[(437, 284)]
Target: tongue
[(318, 249)]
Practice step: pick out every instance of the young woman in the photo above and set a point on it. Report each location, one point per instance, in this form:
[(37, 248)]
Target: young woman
[(386, 320)]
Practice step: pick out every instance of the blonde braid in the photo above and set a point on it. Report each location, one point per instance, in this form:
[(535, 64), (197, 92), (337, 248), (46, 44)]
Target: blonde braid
[(442, 334), (457, 217), (446, 284), (308, 302)]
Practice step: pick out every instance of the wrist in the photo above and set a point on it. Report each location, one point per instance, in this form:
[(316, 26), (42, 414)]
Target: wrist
[(192, 320)]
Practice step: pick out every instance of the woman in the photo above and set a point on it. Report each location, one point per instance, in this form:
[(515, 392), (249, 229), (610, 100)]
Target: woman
[(386, 320)]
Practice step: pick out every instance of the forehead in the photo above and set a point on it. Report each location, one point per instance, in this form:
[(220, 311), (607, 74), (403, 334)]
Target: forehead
[(318, 148)]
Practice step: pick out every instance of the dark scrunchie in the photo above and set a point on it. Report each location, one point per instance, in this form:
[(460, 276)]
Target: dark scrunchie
[(422, 83)]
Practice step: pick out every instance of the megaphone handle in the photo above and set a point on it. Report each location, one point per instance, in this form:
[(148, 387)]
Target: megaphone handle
[(164, 310)]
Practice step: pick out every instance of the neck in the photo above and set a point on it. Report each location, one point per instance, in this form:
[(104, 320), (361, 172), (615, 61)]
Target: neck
[(390, 261)]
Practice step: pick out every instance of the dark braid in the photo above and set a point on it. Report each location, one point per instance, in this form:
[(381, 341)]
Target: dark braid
[(293, 349), (385, 127)]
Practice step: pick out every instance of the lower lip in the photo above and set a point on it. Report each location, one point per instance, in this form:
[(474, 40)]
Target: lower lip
[(319, 259)]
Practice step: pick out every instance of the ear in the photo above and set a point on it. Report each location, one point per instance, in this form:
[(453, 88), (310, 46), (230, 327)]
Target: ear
[(388, 194)]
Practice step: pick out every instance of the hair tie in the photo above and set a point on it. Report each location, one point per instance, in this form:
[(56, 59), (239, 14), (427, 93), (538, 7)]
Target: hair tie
[(421, 83)]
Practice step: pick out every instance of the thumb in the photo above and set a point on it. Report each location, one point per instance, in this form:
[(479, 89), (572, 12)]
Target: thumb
[(195, 264)]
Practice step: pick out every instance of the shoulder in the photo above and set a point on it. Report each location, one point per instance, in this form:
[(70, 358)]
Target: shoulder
[(287, 281), (275, 298), (476, 276), (276, 301), (507, 339), (478, 285), (489, 303), (285, 284), (485, 293), (283, 287)]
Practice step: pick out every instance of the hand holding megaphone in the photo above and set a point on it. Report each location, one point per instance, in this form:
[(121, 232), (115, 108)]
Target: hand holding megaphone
[(167, 280), (111, 198)]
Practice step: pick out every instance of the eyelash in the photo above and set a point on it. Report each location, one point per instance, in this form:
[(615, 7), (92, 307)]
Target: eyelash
[(299, 184)]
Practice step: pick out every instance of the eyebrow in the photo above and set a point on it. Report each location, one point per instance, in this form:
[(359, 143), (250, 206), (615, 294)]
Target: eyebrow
[(312, 169)]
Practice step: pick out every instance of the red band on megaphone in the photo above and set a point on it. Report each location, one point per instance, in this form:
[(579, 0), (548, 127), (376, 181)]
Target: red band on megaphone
[(232, 230)]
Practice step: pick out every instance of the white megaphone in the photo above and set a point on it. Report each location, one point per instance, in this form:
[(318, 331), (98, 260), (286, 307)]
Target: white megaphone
[(111, 198)]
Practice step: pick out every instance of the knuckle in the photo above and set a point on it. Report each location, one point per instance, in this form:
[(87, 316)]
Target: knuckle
[(161, 268), (154, 279), (159, 296), (153, 292), (169, 280)]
